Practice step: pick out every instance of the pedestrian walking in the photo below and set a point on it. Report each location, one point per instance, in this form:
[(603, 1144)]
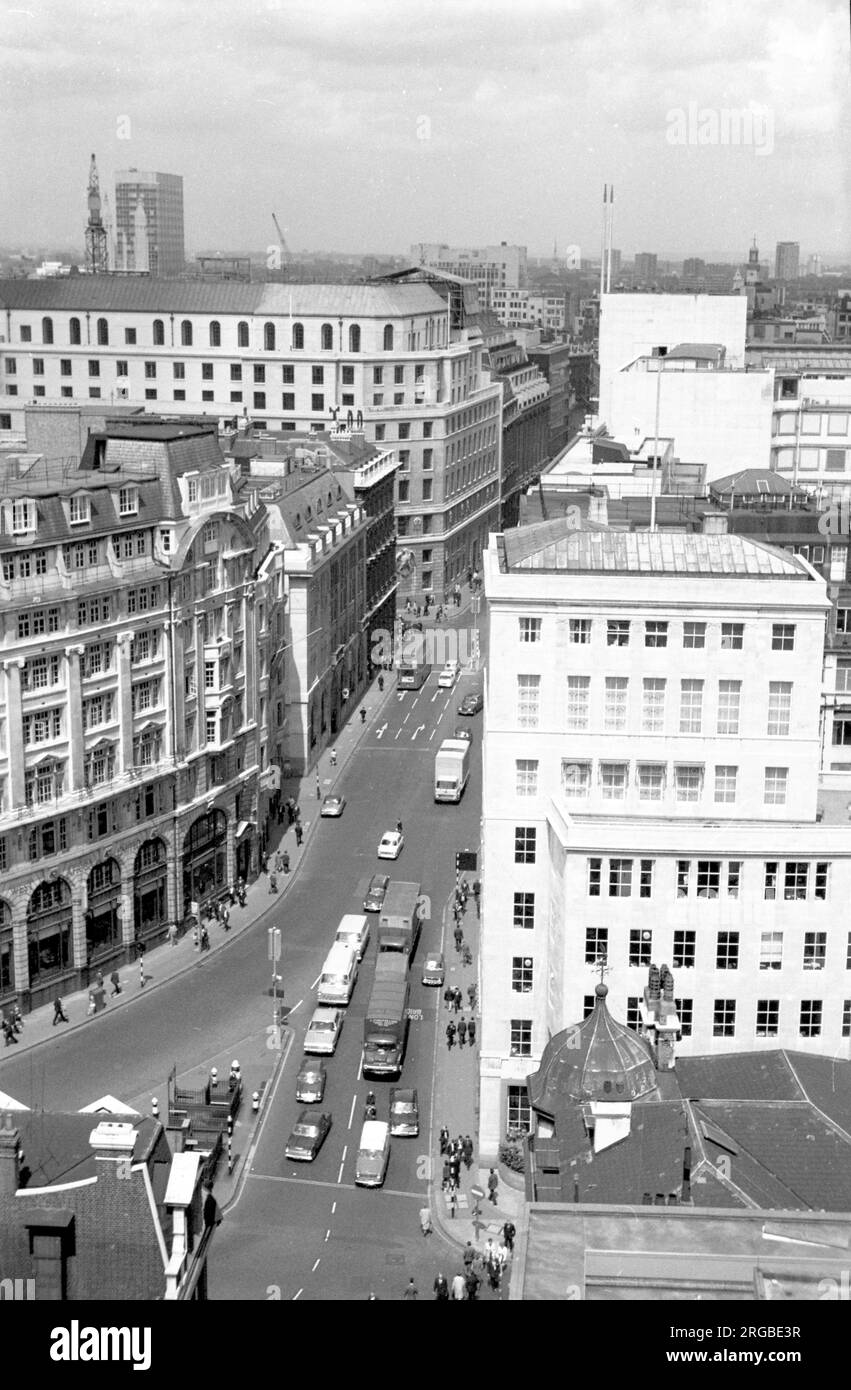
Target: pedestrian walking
[(92, 1003), (297, 813), (469, 1255), (172, 933), (448, 995), (441, 1288), (458, 1000), (472, 1283), (456, 1170), (493, 1184), (462, 1031), (264, 862), (115, 981), (453, 1203), (450, 1035), (471, 995), (459, 938), (459, 1288), (59, 1014), (9, 1032), (411, 1291), (399, 826), (205, 939), (447, 1174), (363, 716), (509, 1231), (471, 1032), (318, 789), (226, 917), (273, 883), (468, 1152), (381, 685), (299, 835), (285, 861), (333, 756), (444, 1139), (17, 1018)]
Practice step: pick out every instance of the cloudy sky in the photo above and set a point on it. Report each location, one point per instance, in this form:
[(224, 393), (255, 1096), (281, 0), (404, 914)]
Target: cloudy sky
[(371, 124)]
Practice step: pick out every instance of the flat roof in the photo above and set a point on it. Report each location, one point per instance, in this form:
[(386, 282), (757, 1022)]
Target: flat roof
[(556, 546)]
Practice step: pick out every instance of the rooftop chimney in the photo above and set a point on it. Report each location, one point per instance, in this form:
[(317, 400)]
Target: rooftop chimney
[(113, 1141), (715, 523)]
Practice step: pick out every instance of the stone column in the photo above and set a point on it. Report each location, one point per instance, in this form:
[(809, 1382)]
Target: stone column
[(77, 882), (74, 715), (173, 731), (125, 702), (15, 734), (200, 694), (251, 704)]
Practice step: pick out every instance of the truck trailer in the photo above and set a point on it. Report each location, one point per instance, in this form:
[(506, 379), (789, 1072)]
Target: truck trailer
[(451, 769), (385, 1028), (399, 919)]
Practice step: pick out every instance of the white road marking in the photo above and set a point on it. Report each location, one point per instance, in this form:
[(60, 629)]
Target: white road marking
[(398, 732), (416, 731), (296, 1006), (435, 695), (328, 1233), (298, 1295), (315, 1267), (379, 732), (352, 1111), (360, 1068), (333, 1207), (342, 1163), (432, 734), (316, 981), (407, 716)]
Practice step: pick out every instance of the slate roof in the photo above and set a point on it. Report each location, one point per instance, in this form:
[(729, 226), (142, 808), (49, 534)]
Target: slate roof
[(554, 546), (786, 1156), (738, 1076), (751, 481), (57, 1146), (598, 1059), (131, 294)]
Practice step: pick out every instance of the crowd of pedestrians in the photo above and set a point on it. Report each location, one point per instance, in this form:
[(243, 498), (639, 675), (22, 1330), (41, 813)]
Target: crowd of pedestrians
[(488, 1264)]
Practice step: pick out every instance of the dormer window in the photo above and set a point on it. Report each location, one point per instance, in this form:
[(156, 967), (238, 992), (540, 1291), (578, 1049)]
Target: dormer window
[(192, 489), (23, 518), (128, 501), (80, 511)]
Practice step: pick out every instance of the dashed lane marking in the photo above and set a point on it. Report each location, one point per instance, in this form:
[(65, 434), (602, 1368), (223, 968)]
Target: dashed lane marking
[(298, 1295), (352, 1111), (315, 1265), (316, 981)]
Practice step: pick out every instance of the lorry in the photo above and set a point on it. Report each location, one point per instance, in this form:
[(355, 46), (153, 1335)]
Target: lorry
[(400, 919), (451, 769), (385, 1027)]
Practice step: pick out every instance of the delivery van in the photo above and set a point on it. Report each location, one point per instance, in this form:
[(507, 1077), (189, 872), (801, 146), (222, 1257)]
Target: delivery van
[(373, 1154), (339, 974)]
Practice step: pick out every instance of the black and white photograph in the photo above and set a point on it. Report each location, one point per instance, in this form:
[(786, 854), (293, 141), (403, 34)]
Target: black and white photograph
[(425, 666)]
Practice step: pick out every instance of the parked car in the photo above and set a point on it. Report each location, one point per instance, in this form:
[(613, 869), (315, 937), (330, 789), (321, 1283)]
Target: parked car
[(434, 968), (471, 704), (308, 1136), (449, 674), (465, 734), (333, 805), (390, 845), (310, 1082), (374, 900), (323, 1031), (404, 1113)]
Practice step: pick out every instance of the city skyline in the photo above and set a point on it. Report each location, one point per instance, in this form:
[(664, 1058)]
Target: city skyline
[(409, 120)]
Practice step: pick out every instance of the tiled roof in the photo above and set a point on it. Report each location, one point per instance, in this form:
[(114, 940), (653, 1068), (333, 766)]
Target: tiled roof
[(555, 546), (787, 1155), (130, 294), (738, 1076), (753, 480), (58, 1149), (651, 1160)]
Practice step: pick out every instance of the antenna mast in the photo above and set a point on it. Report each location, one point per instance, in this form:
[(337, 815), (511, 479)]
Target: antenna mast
[(97, 242)]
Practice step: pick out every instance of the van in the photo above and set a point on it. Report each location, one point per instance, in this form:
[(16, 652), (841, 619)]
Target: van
[(373, 1154), (354, 931), (339, 974)]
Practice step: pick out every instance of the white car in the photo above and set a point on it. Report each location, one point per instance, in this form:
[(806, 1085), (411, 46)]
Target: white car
[(449, 674), (354, 931), (390, 845), (323, 1031)]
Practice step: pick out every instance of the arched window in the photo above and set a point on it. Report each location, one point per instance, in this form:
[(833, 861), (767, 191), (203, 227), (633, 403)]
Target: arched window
[(204, 857), (7, 949), (327, 337), (354, 338), (47, 330), (74, 327), (49, 930), (242, 334), (103, 333), (103, 917), (215, 333), (150, 902), (186, 333), (388, 337), (298, 335), (159, 333), (269, 337)]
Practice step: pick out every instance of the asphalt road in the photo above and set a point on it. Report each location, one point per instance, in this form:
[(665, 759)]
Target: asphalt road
[(275, 1237)]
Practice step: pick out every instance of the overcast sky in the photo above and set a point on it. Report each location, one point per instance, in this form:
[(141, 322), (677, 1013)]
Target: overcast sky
[(371, 124)]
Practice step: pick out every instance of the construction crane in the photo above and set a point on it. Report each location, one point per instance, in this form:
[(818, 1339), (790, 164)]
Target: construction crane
[(285, 254), (97, 242)]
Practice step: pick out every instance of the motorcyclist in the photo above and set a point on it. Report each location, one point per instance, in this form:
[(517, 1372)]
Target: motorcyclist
[(370, 1109)]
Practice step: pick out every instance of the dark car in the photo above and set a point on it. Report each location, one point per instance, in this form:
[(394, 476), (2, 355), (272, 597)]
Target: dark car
[(374, 900), (471, 704), (310, 1082), (404, 1113), (308, 1136), (465, 734)]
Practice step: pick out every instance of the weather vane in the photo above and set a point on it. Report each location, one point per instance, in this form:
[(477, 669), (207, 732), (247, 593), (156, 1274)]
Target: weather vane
[(602, 966)]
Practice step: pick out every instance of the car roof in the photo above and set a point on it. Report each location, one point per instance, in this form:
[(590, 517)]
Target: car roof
[(323, 1014), (406, 1094), (434, 955)]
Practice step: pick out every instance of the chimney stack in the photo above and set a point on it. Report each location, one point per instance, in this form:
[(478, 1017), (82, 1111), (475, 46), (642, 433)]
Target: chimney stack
[(113, 1141), (715, 523), (10, 1156)]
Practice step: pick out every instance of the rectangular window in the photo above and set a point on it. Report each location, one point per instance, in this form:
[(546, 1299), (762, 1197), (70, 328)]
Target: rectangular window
[(640, 943), (596, 944), (767, 1018), (653, 706), (684, 945), (288, 400), (655, 634), (613, 780), (810, 1026), (782, 637), (708, 878), (620, 878), (578, 690), (846, 1012), (651, 781), (575, 779), (259, 375), (617, 632), (524, 911), (734, 877), (530, 629), (822, 872), (521, 974), (521, 1037), (259, 398), (683, 870), (796, 879), (725, 783), (580, 631), (595, 872), (727, 951), (524, 844), (518, 1111), (771, 950), (617, 688), (724, 1018), (317, 402), (815, 950), (732, 636), (526, 771), (776, 779), (65, 366), (317, 376), (633, 1015), (688, 782), (691, 706), (779, 708), (729, 699), (770, 878), (528, 701), (685, 1013), (348, 376), (288, 375)]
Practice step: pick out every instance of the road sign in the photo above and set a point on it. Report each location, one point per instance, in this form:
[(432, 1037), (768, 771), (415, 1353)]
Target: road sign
[(466, 859), (477, 1192), (274, 935)]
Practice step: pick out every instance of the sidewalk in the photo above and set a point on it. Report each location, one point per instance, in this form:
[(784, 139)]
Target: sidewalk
[(456, 1105), (157, 967)]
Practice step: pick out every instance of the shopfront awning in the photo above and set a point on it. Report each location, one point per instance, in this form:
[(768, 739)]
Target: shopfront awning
[(244, 825)]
